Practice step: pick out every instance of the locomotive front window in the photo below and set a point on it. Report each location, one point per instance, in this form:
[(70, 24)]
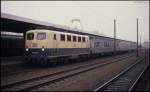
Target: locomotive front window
[(30, 36), (41, 36)]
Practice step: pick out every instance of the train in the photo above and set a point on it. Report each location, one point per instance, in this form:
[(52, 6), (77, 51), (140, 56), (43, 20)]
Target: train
[(12, 44), (48, 46)]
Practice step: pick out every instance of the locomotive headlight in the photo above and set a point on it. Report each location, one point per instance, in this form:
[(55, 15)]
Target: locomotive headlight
[(27, 49), (43, 49)]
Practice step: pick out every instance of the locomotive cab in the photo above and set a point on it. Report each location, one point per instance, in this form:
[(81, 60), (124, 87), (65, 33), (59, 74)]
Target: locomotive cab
[(36, 40), (36, 44)]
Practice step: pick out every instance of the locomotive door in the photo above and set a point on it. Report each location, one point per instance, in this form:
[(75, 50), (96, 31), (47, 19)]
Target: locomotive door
[(55, 52)]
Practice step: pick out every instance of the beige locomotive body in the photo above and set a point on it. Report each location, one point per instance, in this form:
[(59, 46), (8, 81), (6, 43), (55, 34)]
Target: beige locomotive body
[(51, 42), (47, 44)]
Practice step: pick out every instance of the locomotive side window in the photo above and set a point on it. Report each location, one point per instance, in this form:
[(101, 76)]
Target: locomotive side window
[(68, 37), (83, 39), (41, 36), (62, 37), (79, 39), (30, 36), (54, 37), (74, 38)]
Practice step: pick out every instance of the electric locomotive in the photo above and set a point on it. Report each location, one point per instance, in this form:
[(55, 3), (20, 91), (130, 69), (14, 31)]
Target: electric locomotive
[(46, 46)]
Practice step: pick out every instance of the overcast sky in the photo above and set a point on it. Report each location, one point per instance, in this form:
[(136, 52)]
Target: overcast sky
[(95, 16)]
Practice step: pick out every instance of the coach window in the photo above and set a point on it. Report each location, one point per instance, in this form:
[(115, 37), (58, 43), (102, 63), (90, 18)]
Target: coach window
[(30, 36), (74, 38), (101, 44), (79, 39), (104, 44), (62, 37), (54, 37), (68, 37), (117, 44), (83, 39)]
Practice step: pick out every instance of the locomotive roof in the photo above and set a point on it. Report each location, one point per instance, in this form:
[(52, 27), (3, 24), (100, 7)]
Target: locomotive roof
[(46, 30)]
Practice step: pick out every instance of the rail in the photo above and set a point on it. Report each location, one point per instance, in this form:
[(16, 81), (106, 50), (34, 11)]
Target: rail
[(123, 79), (51, 78)]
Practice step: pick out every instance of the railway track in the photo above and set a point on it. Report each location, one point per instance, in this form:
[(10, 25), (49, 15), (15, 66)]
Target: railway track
[(14, 75), (21, 69), (126, 80), (52, 78)]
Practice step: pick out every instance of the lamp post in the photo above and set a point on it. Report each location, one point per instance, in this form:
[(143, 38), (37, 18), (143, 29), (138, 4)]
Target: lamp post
[(140, 44), (114, 37), (149, 45), (137, 53)]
